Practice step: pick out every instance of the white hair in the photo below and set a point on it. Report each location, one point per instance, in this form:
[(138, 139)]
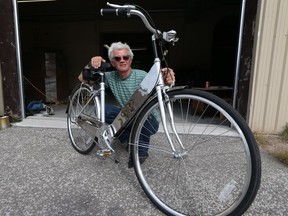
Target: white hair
[(118, 46)]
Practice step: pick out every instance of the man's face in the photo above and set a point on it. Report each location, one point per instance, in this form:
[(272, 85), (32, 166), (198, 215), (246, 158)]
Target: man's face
[(121, 61)]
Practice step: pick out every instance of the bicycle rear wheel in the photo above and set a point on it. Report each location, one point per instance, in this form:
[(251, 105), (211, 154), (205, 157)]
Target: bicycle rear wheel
[(218, 172), (82, 103)]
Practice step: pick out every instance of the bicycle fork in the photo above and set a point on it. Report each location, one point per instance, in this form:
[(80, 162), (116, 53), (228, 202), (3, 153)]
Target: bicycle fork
[(161, 92)]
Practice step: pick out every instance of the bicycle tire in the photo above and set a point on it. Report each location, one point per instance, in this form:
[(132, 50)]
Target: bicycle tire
[(221, 173), (81, 140)]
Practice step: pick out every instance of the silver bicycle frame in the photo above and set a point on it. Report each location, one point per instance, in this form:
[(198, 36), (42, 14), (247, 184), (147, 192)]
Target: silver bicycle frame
[(153, 79)]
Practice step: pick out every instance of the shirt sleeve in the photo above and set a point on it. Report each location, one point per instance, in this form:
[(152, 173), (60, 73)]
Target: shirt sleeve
[(107, 79)]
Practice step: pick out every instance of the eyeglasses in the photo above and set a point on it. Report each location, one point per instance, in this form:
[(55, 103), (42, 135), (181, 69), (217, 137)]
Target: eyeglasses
[(118, 58)]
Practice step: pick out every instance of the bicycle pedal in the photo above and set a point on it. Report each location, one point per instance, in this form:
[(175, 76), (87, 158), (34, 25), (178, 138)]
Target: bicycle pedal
[(104, 152)]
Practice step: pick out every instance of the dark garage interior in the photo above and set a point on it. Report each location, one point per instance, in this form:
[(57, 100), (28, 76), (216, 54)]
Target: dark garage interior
[(58, 38)]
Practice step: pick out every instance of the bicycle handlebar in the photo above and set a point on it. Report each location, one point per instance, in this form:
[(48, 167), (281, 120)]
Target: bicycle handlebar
[(105, 67), (128, 10), (113, 11)]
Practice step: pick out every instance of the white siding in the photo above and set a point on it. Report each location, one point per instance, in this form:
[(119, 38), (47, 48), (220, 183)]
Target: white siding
[(1, 95), (268, 111)]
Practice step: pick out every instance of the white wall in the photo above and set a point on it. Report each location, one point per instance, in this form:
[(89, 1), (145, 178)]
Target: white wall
[(268, 110), (1, 94)]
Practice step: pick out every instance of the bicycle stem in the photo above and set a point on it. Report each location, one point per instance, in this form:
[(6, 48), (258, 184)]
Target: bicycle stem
[(102, 98)]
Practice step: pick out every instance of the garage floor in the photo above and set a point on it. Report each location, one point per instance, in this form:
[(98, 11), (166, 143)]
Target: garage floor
[(57, 120)]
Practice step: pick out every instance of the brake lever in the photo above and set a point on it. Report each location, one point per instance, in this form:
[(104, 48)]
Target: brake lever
[(121, 6), (170, 36)]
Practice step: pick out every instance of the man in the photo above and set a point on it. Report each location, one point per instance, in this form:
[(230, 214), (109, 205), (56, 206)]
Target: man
[(123, 82)]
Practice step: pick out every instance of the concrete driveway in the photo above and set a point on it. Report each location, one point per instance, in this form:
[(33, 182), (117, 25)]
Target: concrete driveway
[(41, 174)]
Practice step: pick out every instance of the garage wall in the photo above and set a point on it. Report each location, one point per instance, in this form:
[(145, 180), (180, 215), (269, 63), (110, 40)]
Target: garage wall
[(74, 40), (1, 95), (269, 99)]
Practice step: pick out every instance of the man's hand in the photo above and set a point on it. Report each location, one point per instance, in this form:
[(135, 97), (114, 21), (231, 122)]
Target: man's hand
[(168, 76), (97, 61)]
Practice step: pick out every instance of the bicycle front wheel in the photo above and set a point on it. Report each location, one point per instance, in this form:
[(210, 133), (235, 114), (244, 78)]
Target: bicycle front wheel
[(82, 103), (214, 168)]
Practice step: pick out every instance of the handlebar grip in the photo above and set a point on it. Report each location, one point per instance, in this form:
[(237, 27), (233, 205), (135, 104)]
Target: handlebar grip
[(114, 11), (90, 73), (105, 66)]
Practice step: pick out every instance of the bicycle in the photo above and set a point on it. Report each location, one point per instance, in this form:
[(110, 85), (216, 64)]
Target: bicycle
[(200, 163)]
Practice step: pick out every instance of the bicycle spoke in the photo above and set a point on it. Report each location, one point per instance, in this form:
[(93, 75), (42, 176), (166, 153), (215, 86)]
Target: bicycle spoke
[(80, 138), (210, 175)]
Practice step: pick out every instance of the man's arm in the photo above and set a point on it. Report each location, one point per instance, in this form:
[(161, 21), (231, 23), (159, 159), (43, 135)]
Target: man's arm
[(80, 78)]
